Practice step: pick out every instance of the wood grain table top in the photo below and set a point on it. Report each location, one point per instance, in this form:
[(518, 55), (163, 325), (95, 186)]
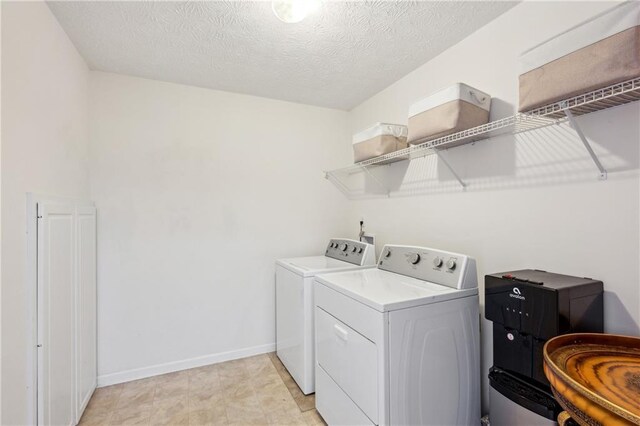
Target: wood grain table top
[(596, 377)]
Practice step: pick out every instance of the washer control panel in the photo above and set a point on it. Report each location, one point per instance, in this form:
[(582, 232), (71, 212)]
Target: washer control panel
[(351, 251), (427, 264)]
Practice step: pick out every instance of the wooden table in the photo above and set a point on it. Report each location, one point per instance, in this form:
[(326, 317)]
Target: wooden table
[(595, 378)]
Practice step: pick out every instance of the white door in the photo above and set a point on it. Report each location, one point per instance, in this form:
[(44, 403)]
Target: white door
[(66, 311), (86, 369), (56, 311)]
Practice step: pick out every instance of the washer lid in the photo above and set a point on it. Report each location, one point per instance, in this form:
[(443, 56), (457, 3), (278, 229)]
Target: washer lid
[(387, 291), (312, 265)]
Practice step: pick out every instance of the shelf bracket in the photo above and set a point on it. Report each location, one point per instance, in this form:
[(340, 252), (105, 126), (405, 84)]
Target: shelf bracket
[(585, 141), (376, 180), (453, 172), (338, 183)]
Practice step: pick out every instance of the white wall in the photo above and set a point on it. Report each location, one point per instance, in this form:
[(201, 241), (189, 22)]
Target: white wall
[(0, 223), (198, 192), (44, 150), (533, 201)]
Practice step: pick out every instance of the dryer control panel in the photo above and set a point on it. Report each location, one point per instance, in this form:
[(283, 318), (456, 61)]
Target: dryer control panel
[(351, 251), (440, 267)]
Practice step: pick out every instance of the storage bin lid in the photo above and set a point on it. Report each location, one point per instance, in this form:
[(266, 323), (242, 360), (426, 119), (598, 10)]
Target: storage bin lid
[(606, 24), (459, 91), (380, 129)]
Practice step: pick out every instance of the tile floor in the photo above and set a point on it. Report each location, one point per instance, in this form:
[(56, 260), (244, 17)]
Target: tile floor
[(250, 391), (305, 402)]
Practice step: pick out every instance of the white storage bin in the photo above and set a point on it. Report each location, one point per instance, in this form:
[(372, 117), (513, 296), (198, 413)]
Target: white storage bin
[(451, 110), (597, 53), (382, 138)]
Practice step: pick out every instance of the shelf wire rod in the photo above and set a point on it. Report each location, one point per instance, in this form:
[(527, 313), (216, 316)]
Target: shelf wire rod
[(453, 172), (587, 145), (341, 186), (376, 180)]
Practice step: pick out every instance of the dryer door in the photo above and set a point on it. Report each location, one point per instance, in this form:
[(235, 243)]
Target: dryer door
[(350, 359)]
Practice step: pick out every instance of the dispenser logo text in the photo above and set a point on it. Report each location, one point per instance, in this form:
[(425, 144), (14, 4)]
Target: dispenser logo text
[(517, 294)]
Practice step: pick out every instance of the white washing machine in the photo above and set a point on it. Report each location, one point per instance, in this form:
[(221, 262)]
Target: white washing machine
[(399, 344), (295, 306)]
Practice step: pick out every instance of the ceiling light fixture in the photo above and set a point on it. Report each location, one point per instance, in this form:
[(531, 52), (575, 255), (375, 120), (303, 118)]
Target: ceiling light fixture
[(293, 11)]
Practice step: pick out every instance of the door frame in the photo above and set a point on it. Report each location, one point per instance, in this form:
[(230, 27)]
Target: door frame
[(31, 276)]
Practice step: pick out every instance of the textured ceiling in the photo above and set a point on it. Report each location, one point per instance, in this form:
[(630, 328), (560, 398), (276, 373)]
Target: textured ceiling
[(338, 57)]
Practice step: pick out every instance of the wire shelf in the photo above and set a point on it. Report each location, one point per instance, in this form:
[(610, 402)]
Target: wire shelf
[(510, 125), (556, 113), (611, 96)]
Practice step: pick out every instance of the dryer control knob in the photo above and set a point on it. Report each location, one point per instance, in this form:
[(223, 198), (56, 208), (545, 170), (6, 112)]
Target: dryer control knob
[(437, 262), (354, 249), (360, 250), (451, 264), (388, 253), (414, 258), (344, 247)]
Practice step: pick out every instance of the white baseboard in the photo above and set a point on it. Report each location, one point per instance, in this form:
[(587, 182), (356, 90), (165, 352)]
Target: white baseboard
[(170, 367)]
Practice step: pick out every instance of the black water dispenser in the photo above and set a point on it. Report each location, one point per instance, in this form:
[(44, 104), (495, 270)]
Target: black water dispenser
[(527, 308)]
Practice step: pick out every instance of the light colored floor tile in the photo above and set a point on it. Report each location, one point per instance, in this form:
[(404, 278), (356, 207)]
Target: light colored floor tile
[(276, 386), (173, 411), (171, 389), (255, 390), (212, 417), (285, 418), (246, 414), (108, 391), (259, 364), (201, 385), (90, 418), (238, 392), (207, 370), (102, 404), (265, 378), (292, 385), (249, 402), (276, 399), (232, 368), (139, 397), (203, 381), (180, 419), (313, 418), (268, 371), (131, 416), (306, 402), (205, 399)]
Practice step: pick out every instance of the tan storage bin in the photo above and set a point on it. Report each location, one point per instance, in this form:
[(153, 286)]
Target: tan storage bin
[(383, 138), (597, 53), (451, 110)]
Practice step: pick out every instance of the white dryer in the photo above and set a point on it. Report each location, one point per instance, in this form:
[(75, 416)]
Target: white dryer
[(295, 333), (399, 344)]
